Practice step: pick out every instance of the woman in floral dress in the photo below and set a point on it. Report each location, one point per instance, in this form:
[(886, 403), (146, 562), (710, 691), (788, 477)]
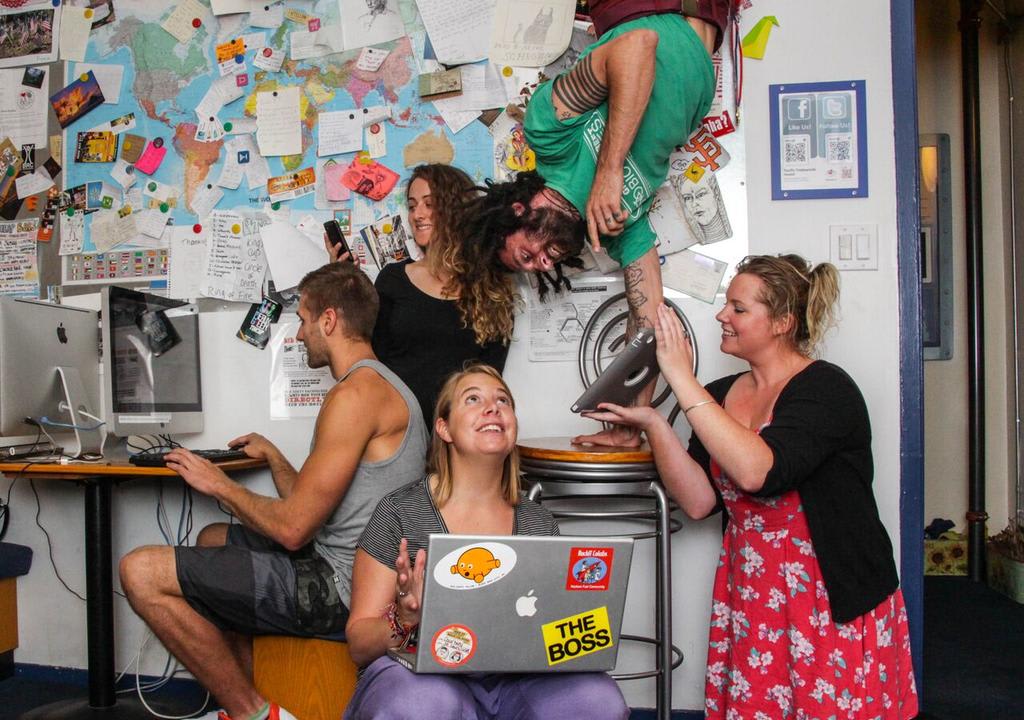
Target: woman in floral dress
[(808, 621)]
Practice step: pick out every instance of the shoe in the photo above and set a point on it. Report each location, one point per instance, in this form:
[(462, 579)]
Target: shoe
[(276, 713)]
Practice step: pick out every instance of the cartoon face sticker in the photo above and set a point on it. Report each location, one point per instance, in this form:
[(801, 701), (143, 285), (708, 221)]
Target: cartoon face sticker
[(475, 563), (473, 566)]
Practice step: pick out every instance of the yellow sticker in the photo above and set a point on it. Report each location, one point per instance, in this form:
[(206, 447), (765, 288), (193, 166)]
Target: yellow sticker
[(506, 71), (694, 172), (577, 635)]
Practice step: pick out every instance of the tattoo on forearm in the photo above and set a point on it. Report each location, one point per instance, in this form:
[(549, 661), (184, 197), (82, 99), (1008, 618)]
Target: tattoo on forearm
[(579, 89), (633, 275)]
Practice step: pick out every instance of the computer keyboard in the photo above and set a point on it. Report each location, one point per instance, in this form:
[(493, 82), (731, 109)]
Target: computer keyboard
[(158, 459)]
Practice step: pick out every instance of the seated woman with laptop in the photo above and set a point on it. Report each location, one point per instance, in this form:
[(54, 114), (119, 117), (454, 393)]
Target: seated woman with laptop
[(472, 488)]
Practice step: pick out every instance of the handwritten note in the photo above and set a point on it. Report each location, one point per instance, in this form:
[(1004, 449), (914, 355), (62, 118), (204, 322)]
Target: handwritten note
[(278, 123), (235, 263), (459, 32), (179, 23), (187, 258), (340, 132), (19, 273)]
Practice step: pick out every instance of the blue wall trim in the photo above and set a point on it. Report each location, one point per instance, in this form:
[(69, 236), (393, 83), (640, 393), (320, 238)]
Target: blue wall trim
[(904, 98)]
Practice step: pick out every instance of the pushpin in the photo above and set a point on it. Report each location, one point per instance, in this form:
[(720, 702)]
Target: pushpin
[(10, 171), (209, 186), (159, 142), (275, 206), (196, 22), (267, 52), (56, 3), (164, 207), (152, 187), (375, 128), (71, 212), (387, 228), (87, 13), (506, 71), (236, 228), (84, 77), (197, 228), (227, 127), (239, 58)]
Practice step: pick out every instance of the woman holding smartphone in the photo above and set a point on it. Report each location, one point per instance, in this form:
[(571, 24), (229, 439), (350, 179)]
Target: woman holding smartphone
[(432, 320)]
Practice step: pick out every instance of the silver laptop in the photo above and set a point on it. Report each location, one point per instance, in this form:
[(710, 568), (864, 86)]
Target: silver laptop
[(520, 604)]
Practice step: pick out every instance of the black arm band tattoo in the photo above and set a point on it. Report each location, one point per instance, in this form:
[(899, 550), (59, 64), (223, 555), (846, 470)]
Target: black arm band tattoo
[(579, 89)]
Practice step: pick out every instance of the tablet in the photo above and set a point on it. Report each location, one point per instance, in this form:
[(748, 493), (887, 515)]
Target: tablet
[(623, 380)]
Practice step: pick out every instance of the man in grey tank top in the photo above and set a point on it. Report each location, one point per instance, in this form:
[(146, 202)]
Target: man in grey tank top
[(287, 568)]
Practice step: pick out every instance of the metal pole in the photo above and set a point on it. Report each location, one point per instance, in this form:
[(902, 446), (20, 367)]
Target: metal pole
[(970, 22)]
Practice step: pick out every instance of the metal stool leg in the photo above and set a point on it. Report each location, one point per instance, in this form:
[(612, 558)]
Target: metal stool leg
[(663, 615)]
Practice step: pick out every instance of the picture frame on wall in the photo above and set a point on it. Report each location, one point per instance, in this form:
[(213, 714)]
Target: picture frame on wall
[(818, 140), (936, 233)]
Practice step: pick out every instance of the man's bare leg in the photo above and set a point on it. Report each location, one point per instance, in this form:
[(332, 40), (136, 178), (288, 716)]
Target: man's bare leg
[(150, 581), (644, 293)]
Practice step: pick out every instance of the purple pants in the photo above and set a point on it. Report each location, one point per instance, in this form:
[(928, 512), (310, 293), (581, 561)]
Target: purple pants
[(387, 691)]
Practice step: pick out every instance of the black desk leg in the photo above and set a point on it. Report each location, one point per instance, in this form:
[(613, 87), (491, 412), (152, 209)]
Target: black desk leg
[(99, 594), (99, 612)]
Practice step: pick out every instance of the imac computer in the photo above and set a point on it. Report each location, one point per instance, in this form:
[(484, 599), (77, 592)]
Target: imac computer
[(49, 374), (151, 372)]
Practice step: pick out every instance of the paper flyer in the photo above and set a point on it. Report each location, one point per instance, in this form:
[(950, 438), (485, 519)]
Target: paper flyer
[(296, 390)]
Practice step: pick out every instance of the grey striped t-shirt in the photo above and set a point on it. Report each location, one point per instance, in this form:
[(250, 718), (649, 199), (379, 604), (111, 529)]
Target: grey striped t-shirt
[(410, 513)]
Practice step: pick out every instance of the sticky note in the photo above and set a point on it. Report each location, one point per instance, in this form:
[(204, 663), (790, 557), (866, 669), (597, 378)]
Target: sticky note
[(151, 158)]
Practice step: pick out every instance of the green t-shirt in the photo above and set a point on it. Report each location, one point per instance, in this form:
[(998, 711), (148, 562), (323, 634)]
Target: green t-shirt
[(566, 150)]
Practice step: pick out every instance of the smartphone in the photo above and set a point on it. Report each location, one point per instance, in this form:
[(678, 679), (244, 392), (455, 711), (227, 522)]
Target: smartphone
[(336, 236)]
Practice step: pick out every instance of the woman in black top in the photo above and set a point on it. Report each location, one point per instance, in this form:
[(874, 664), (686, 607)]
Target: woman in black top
[(807, 616), (432, 318)]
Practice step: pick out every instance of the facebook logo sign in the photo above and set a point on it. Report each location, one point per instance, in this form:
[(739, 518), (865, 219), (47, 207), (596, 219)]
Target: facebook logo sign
[(798, 108)]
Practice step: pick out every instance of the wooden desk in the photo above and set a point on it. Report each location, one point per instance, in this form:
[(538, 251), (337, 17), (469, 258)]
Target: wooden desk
[(98, 479)]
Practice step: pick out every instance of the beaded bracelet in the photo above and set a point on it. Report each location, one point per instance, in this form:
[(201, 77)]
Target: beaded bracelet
[(399, 630)]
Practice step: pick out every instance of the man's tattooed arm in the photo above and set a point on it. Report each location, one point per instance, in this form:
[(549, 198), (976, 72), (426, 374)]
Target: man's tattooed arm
[(578, 90)]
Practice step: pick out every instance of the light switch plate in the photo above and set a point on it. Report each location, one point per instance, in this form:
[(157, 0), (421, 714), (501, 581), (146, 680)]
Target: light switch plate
[(853, 247)]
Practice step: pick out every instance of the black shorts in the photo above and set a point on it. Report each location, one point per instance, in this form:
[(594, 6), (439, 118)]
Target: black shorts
[(254, 586)]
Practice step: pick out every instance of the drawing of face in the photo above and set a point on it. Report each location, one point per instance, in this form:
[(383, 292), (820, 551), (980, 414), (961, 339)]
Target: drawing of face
[(699, 202)]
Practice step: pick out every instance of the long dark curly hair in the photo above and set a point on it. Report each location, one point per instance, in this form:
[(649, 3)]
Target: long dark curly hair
[(491, 217), (486, 302)]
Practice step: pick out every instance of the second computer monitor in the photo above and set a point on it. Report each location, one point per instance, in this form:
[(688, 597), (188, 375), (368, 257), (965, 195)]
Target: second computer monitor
[(151, 364)]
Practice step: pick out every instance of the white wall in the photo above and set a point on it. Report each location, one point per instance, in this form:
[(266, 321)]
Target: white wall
[(945, 381), (816, 42)]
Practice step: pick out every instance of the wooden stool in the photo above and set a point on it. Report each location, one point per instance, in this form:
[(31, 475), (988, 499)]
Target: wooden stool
[(310, 678), (554, 468)]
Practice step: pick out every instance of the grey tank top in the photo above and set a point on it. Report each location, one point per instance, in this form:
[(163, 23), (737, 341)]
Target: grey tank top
[(336, 540)]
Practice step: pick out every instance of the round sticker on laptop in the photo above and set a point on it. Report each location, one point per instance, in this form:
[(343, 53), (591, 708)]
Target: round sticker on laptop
[(474, 566), (453, 645)]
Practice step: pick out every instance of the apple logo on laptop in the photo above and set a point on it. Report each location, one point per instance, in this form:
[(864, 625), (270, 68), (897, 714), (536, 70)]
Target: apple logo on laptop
[(526, 606), (62, 335)]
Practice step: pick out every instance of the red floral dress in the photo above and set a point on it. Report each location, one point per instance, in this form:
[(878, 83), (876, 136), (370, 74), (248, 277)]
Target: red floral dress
[(774, 651)]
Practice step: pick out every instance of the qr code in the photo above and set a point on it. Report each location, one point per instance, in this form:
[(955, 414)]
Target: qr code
[(838, 148), (797, 149)]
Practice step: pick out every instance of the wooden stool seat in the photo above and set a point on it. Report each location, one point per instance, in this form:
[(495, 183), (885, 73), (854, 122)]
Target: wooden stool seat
[(561, 449), (312, 679)]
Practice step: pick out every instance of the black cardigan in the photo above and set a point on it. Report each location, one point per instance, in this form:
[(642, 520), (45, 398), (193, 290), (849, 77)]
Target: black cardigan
[(820, 437)]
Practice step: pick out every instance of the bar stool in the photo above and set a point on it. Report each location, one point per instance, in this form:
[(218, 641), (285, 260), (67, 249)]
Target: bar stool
[(554, 468)]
